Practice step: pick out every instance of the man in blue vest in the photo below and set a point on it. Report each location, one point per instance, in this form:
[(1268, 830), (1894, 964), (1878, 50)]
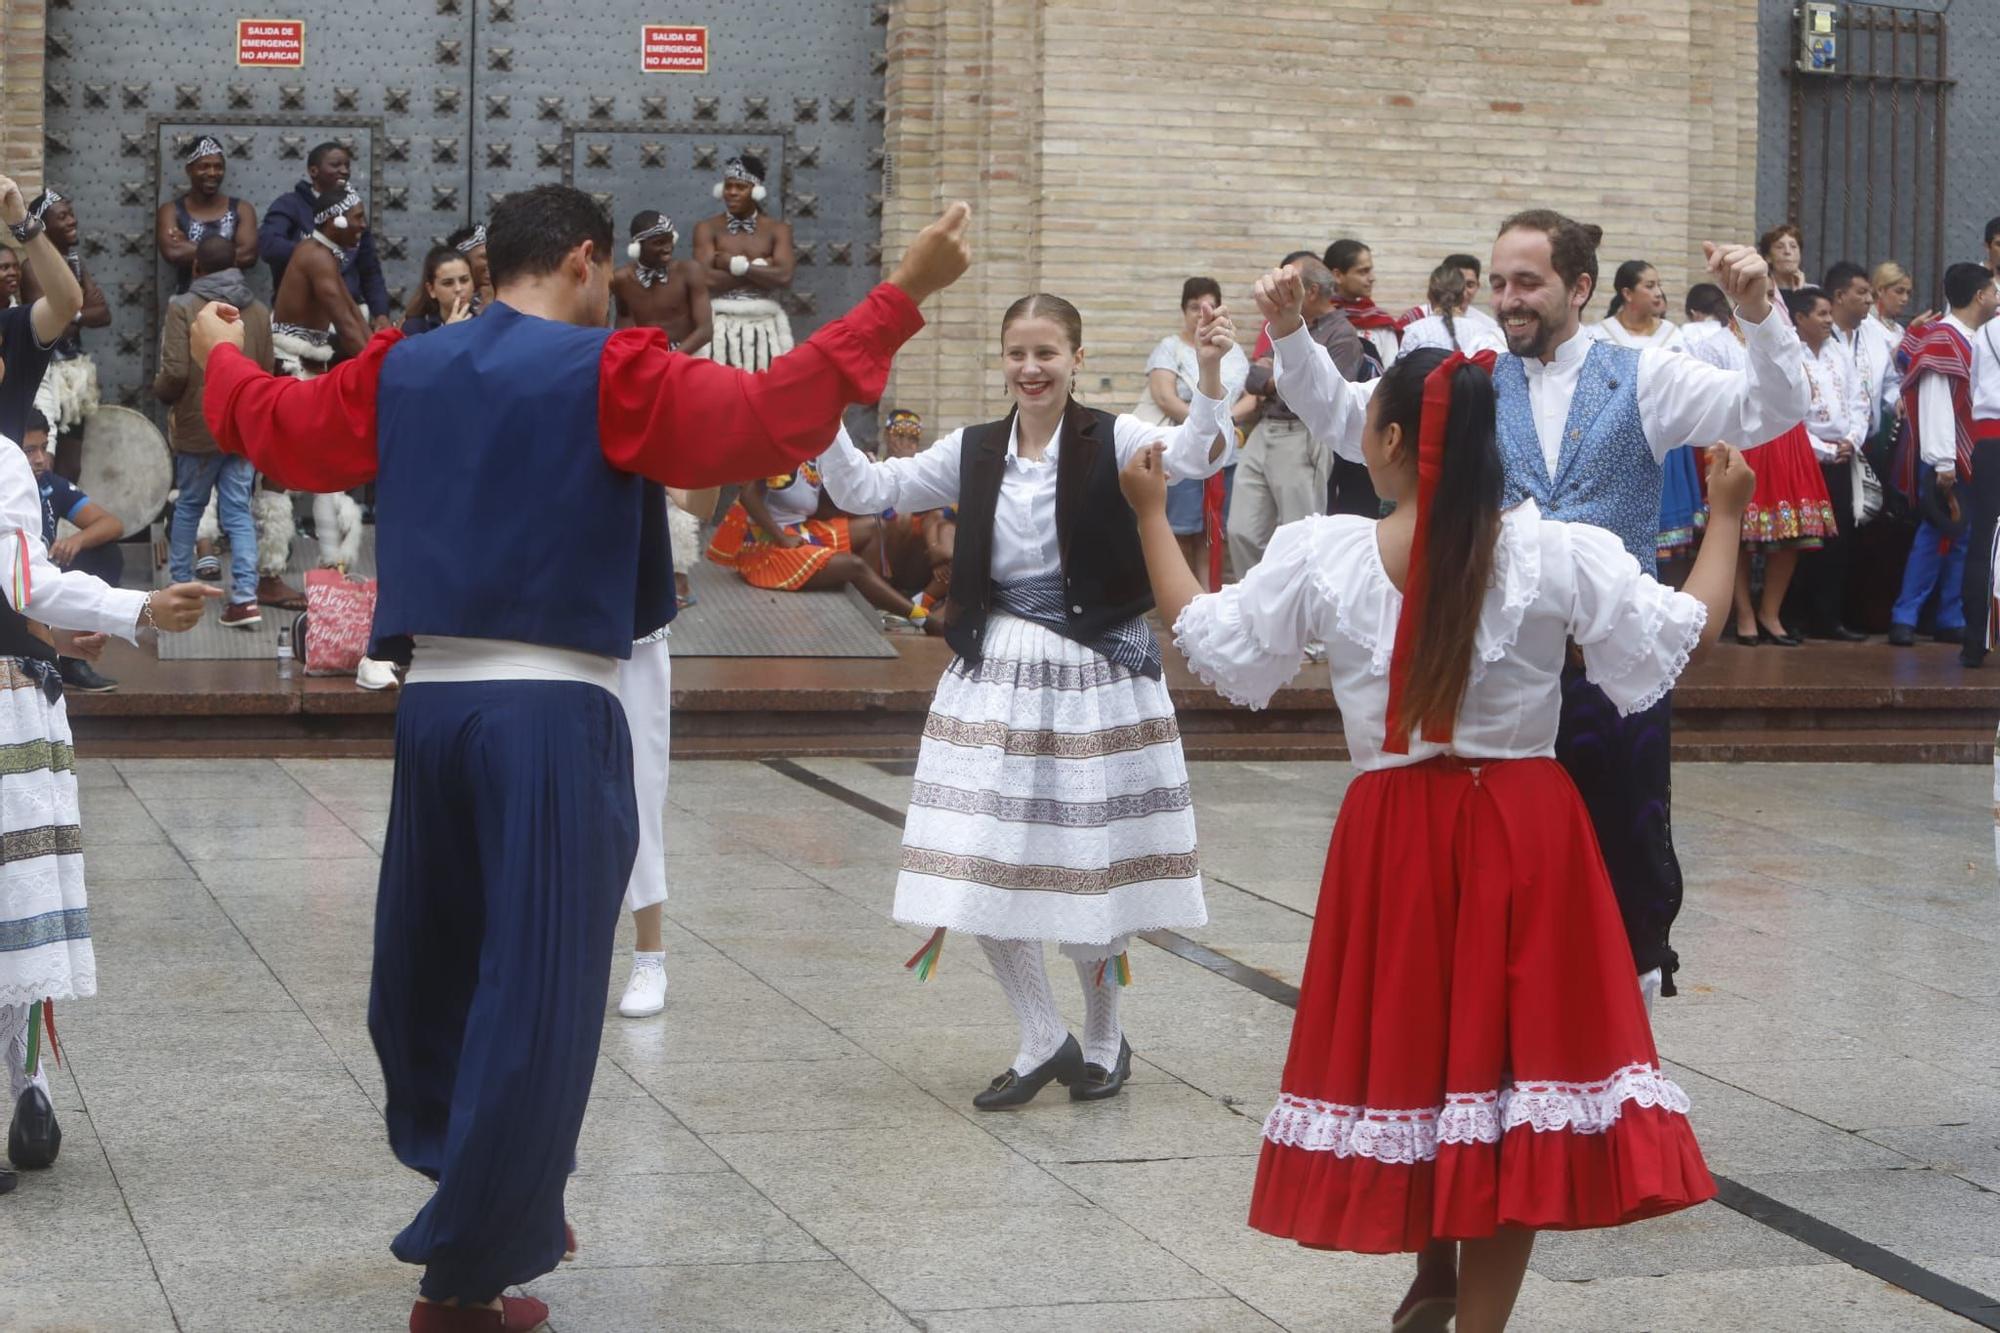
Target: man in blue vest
[(512, 828)]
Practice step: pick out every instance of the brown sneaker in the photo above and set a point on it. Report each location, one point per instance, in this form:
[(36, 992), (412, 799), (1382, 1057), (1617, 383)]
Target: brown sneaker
[(274, 591), (241, 615)]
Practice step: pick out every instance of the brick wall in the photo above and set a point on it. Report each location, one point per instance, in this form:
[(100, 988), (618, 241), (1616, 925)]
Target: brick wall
[(21, 56), (1113, 147)]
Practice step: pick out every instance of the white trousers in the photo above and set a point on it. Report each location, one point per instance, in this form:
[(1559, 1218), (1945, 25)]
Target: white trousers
[(646, 685)]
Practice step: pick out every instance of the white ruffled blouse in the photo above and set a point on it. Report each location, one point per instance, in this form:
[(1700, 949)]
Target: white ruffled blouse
[(1322, 580)]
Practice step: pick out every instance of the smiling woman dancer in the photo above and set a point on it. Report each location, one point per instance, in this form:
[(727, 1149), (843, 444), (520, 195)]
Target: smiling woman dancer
[(1471, 1061), (1051, 798)]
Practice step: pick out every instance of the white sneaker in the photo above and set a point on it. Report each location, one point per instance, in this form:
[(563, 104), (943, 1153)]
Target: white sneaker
[(646, 992), (374, 675)]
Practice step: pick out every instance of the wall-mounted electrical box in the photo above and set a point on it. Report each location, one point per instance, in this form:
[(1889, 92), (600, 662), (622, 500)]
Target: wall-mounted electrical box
[(1819, 48)]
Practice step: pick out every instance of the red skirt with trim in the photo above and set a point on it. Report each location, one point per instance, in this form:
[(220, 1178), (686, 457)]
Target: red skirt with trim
[(763, 563), (1790, 507), (1471, 1050)]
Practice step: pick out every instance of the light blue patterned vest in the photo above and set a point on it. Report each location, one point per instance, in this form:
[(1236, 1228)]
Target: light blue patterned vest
[(1606, 473)]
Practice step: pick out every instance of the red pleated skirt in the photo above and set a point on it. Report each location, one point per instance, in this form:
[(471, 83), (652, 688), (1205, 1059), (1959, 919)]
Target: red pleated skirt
[(1471, 1050), (1790, 506)]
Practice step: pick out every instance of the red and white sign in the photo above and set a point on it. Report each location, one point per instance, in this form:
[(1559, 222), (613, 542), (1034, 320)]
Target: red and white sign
[(673, 48), (271, 43)]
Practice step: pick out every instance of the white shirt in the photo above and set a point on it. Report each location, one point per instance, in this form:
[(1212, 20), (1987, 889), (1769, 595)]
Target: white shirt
[(1024, 521), (798, 500), (1868, 347), (1680, 398), (1322, 580), (1937, 432), (1666, 334), (1473, 335), (61, 598), (1175, 354), (1839, 410)]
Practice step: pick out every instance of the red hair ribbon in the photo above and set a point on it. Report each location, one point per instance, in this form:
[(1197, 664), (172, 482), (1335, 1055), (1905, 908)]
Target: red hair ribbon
[(1416, 584)]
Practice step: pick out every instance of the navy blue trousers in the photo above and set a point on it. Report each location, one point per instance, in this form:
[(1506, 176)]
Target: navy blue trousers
[(512, 830), (1623, 769)]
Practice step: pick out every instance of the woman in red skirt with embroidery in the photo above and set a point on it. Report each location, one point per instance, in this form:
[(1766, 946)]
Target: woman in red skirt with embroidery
[(1471, 1060)]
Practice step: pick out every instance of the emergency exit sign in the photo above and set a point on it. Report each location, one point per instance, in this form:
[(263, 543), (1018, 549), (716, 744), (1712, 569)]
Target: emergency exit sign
[(673, 48), (271, 43)]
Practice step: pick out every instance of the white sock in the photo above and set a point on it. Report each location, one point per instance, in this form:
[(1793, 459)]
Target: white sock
[(641, 958), (1018, 966), (14, 1023), (1101, 1032)]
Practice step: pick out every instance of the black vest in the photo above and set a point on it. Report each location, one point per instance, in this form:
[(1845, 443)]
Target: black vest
[(1103, 565)]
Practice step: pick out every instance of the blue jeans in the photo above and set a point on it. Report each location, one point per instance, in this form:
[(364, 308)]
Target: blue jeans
[(231, 478), (1928, 570)]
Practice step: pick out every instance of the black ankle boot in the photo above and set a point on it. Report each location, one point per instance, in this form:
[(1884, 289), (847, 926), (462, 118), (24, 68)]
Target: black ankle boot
[(1013, 1088), (34, 1139)]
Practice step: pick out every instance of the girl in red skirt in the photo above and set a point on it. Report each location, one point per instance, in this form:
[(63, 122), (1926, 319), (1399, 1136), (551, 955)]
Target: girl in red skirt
[(1471, 1060)]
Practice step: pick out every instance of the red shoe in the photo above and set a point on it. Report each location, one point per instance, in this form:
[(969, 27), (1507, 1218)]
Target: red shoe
[(569, 1242), (241, 615), (518, 1314)]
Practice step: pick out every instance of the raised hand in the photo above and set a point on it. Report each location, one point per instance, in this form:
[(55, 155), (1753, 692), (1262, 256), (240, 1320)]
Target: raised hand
[(1281, 299), (13, 204), (1214, 335), (1743, 276), (216, 323), (939, 255), (177, 608), (1144, 479), (1731, 483)]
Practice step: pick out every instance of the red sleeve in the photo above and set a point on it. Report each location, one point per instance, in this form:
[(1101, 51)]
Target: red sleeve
[(691, 422), (313, 435), (1263, 347)]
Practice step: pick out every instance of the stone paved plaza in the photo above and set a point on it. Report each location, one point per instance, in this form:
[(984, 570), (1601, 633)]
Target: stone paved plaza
[(791, 1146)]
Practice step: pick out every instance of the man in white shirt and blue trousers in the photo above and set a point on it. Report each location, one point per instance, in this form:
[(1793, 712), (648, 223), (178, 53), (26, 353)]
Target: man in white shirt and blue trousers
[(1583, 426)]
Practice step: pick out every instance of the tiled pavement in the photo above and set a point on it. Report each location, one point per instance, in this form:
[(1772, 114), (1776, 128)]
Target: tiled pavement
[(790, 1147)]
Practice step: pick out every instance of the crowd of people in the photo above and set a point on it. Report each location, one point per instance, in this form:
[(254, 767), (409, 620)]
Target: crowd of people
[(1494, 529)]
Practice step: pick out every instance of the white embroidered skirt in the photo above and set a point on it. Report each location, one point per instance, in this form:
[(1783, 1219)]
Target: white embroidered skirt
[(1051, 799), (44, 922)]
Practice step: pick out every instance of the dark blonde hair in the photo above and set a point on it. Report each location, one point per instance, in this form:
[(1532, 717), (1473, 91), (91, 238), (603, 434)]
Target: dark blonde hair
[(1041, 305)]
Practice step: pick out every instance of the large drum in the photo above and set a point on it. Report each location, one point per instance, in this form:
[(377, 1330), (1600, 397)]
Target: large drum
[(127, 467)]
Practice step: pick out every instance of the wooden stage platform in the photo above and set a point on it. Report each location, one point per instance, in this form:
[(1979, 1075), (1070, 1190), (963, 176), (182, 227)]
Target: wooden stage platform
[(1828, 702)]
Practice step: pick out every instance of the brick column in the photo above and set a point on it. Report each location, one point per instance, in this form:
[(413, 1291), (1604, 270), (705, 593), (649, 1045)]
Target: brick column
[(22, 33)]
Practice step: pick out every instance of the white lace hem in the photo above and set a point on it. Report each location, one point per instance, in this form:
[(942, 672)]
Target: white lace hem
[(1403, 1138), (1196, 639), (1690, 640)]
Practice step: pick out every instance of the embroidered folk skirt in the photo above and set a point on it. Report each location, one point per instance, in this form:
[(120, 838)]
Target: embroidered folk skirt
[(1680, 498), (1790, 507), (1471, 1050), (45, 950), (1051, 800), (763, 563)]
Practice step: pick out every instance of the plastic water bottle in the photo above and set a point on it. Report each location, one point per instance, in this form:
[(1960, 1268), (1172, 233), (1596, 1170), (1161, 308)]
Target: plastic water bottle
[(284, 652)]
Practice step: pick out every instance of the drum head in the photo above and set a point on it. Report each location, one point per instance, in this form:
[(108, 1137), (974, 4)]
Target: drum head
[(127, 467)]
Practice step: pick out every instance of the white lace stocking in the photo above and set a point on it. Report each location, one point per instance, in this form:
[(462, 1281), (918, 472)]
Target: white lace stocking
[(1017, 964), (1101, 1031), (14, 1023)]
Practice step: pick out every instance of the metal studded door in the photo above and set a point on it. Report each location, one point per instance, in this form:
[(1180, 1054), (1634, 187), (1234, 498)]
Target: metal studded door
[(448, 105)]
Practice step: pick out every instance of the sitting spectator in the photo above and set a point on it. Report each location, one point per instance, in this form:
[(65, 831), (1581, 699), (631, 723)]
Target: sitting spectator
[(471, 242), (289, 221), (28, 331), (257, 559), (92, 548), (916, 548), (784, 533), (1449, 325), (446, 294), (1171, 373), (181, 223), (10, 279)]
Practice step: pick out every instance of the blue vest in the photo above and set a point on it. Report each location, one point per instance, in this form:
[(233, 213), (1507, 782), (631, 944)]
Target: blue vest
[(1606, 473), (498, 517)]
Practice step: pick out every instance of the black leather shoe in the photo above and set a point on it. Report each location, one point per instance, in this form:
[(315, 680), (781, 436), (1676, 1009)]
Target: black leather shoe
[(1013, 1089), (1098, 1082), (1838, 634), (1971, 658), (82, 677), (1949, 636), (1782, 640), (1902, 636), (8, 1180), (34, 1139)]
